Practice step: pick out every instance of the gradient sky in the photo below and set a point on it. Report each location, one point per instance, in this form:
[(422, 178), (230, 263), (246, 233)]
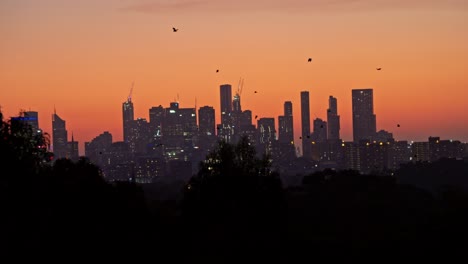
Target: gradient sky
[(82, 57)]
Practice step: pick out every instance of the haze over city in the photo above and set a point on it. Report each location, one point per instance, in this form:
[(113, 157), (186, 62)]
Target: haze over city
[(81, 57)]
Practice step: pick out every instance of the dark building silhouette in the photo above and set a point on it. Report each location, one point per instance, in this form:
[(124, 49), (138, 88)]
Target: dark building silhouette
[(97, 149), (333, 120), (266, 132), (206, 128), (285, 125), (32, 119), (225, 130), (72, 149), (128, 117), (179, 130), (156, 118), (59, 137), (320, 130), (364, 121), (384, 136), (420, 151), (141, 136), (206, 121), (305, 123)]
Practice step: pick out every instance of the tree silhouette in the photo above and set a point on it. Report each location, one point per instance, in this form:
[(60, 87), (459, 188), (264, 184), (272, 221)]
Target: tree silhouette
[(234, 197)]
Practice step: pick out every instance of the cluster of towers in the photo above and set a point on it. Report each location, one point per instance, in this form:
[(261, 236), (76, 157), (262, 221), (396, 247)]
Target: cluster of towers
[(175, 140)]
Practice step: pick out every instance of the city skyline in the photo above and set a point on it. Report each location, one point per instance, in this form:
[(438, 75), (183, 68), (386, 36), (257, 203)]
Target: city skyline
[(84, 64)]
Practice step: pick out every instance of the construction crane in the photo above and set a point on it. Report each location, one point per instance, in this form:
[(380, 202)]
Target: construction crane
[(240, 86), (129, 98)]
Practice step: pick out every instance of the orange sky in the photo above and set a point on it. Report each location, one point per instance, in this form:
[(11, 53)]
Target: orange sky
[(82, 57)]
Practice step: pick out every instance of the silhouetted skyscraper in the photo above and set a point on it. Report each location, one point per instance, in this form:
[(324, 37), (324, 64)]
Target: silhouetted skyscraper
[(286, 128), (156, 117), (364, 121), (333, 119), (32, 119), (206, 121), (72, 149), (128, 117), (59, 137), (226, 102), (266, 130), (305, 122), (226, 131), (320, 130)]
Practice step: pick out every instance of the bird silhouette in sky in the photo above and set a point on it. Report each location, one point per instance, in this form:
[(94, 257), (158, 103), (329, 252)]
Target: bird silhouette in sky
[(256, 117), (379, 69), (300, 137), (309, 60), (398, 125), (217, 70), (255, 92), (174, 29)]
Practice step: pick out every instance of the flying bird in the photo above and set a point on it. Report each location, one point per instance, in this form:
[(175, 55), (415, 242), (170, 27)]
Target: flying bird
[(379, 69), (255, 92), (309, 60), (217, 70), (256, 117), (398, 125), (174, 29)]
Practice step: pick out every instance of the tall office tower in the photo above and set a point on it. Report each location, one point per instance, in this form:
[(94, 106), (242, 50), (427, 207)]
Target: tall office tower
[(59, 137), (333, 120), (266, 130), (226, 102), (305, 122), (179, 130), (320, 130), (206, 130), (32, 119), (236, 116), (128, 117), (206, 121), (141, 136), (364, 123), (96, 150), (225, 131), (72, 149), (286, 128), (156, 117)]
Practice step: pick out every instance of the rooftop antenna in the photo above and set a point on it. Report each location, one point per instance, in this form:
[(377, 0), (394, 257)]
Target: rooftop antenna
[(129, 98)]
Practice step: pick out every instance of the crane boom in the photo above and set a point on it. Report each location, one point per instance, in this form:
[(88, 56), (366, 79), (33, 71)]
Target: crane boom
[(129, 98)]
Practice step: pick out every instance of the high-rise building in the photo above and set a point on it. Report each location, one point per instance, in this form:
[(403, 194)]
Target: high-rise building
[(206, 121), (59, 137), (226, 102), (72, 149), (266, 130), (96, 150), (364, 121), (179, 130), (156, 117), (285, 126), (32, 119), (128, 117), (305, 122), (320, 130), (333, 120), (206, 129), (226, 130)]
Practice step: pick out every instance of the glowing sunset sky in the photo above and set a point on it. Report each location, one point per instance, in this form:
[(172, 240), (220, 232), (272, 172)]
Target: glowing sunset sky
[(82, 56)]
